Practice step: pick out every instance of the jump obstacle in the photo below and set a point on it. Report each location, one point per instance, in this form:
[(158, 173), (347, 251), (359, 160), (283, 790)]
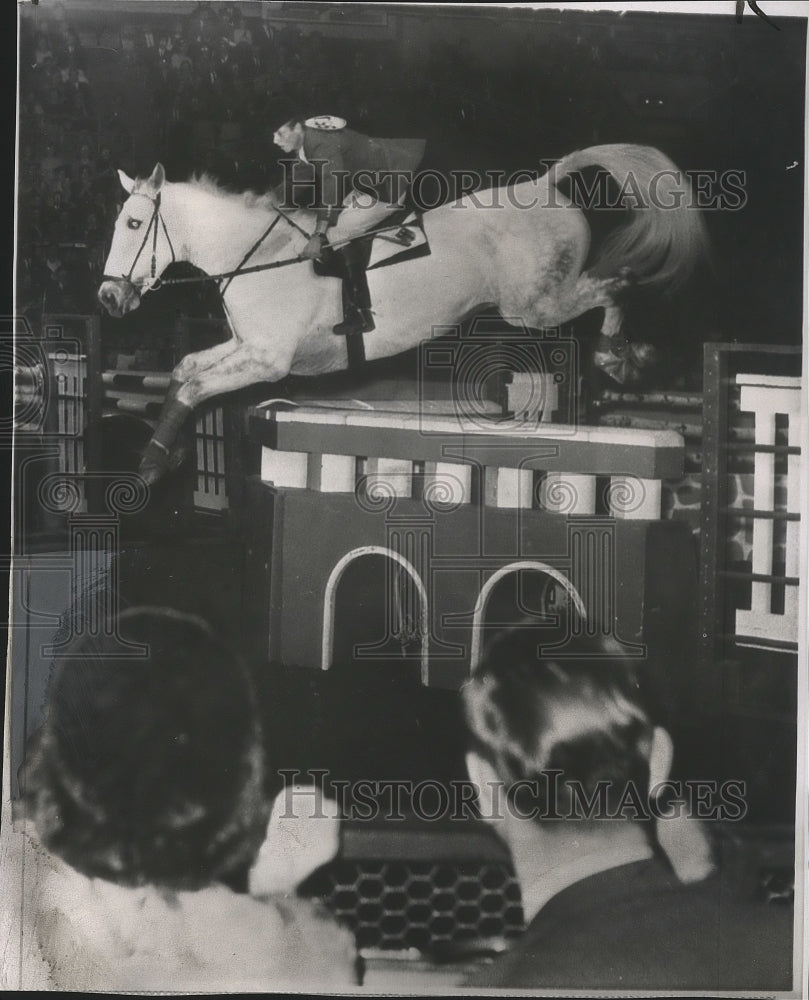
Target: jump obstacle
[(490, 494), (455, 504), (86, 394)]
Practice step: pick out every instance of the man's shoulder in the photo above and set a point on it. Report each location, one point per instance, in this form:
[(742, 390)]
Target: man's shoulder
[(658, 934)]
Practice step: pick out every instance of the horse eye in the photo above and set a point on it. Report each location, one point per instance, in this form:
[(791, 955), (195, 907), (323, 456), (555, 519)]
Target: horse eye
[(133, 223)]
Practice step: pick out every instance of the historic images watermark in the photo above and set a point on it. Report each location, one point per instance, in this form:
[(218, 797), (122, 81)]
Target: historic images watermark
[(704, 190), (550, 797)]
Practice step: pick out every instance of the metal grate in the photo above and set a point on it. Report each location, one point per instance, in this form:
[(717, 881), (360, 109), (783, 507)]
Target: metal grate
[(419, 904)]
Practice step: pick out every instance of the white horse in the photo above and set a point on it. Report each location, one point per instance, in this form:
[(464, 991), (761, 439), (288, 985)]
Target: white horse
[(520, 249)]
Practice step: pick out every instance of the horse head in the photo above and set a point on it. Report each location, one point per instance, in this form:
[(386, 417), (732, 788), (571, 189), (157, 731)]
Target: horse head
[(141, 248)]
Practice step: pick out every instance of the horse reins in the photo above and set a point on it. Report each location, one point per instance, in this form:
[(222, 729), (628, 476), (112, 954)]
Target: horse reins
[(156, 282), (247, 256)]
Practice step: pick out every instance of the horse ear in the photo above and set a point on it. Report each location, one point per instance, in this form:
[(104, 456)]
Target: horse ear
[(126, 182), (158, 177)]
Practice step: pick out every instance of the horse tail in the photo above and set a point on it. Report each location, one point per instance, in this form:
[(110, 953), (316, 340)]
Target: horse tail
[(664, 239)]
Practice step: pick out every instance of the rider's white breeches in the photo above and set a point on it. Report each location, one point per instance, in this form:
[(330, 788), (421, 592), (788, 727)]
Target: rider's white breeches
[(359, 214)]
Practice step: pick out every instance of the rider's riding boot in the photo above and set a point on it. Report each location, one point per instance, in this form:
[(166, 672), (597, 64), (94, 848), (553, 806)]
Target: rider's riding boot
[(356, 297)]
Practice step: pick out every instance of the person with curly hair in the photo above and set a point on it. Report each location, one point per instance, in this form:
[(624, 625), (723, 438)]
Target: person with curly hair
[(145, 800)]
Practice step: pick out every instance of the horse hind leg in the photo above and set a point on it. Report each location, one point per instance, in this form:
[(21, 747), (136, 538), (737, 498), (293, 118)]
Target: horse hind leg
[(614, 354)]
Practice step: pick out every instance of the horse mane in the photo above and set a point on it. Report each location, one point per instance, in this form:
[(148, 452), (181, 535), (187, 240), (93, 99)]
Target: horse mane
[(250, 199)]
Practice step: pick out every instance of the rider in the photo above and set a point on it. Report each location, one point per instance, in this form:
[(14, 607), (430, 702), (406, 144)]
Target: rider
[(375, 173)]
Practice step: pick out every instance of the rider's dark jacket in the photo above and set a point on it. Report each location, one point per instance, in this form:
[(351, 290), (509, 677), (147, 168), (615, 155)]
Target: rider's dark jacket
[(335, 162)]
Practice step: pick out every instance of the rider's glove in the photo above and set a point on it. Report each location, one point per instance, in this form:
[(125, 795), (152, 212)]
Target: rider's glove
[(314, 247)]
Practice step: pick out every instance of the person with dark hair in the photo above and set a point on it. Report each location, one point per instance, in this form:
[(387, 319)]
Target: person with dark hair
[(145, 789), (619, 886), (360, 181)]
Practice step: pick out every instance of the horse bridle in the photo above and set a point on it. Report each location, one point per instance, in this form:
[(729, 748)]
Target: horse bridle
[(157, 220)]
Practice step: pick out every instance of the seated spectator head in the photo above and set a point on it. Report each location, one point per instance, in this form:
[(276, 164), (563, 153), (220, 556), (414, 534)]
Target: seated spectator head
[(149, 770), (582, 715), (555, 733)]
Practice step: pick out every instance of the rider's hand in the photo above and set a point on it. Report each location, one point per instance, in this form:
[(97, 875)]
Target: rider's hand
[(314, 247)]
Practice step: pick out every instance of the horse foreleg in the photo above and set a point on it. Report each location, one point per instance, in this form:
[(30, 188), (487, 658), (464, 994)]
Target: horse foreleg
[(158, 456), (243, 367)]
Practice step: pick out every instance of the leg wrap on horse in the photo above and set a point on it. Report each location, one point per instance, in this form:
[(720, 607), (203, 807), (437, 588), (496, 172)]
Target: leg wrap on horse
[(159, 457), (172, 417)]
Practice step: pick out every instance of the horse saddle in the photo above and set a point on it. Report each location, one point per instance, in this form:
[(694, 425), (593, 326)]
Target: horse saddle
[(405, 242), (401, 238)]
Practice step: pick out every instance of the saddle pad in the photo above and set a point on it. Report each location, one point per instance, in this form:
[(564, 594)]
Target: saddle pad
[(405, 243)]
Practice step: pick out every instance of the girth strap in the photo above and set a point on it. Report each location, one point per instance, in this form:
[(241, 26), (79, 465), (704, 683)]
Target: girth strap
[(355, 346)]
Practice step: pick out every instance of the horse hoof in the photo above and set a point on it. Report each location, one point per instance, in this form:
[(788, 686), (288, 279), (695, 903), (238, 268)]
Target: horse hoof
[(151, 473), (156, 463), (645, 355), (621, 370), (177, 458)]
